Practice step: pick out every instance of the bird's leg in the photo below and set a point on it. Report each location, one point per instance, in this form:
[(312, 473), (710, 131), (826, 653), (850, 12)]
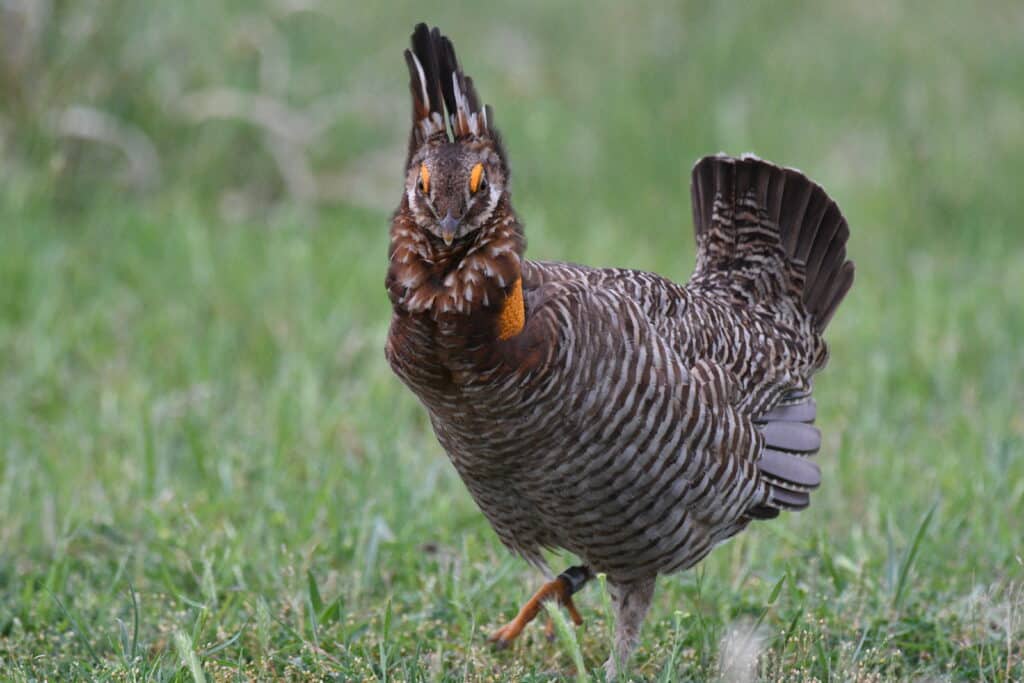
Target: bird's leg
[(631, 601), (561, 589)]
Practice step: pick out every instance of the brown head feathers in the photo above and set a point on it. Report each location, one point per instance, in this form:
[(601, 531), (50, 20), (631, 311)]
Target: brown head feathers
[(456, 244)]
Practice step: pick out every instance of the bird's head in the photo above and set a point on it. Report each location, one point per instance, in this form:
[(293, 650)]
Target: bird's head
[(456, 172), (453, 188)]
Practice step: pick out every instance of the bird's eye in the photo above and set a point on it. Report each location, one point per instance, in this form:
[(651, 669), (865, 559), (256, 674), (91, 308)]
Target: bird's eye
[(424, 179), (477, 180)]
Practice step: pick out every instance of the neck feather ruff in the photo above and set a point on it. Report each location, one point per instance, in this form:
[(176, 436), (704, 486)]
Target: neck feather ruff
[(476, 283)]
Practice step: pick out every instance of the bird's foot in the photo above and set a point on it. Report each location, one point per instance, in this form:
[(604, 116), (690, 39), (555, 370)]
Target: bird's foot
[(560, 590)]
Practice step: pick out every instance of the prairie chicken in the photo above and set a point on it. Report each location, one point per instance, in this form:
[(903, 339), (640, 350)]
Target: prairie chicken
[(612, 413)]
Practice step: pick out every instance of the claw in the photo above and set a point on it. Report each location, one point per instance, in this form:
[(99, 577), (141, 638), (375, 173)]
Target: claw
[(574, 614), (504, 636)]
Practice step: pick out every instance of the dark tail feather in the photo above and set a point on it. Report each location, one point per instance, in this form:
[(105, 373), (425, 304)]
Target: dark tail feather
[(751, 215)]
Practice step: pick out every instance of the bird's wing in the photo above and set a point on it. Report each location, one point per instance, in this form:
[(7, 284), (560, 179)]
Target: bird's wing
[(767, 358), (658, 444)]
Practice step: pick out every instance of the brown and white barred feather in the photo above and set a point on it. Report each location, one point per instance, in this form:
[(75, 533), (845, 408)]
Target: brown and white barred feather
[(632, 421)]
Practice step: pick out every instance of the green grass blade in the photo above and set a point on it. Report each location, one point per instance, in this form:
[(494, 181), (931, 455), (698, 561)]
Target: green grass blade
[(669, 673), (187, 655), (567, 636), (908, 562), (227, 643), (314, 593), (771, 601), (383, 646), (791, 629), (135, 622), (78, 629)]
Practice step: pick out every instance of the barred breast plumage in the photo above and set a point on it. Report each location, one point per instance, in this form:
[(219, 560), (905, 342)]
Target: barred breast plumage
[(627, 419)]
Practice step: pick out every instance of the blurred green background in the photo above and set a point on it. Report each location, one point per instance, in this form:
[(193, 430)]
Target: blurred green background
[(207, 469)]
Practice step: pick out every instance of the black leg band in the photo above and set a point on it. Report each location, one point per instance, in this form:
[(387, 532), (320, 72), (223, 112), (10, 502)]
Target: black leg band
[(576, 577)]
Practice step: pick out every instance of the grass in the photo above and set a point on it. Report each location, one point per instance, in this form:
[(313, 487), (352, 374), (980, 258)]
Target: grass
[(208, 471)]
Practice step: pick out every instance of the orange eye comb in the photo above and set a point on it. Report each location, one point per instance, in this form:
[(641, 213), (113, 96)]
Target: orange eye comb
[(425, 177), (474, 177)]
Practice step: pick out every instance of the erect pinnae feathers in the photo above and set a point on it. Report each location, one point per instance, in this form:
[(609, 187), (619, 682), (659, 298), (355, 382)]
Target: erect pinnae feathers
[(417, 87), (450, 65), (439, 87), (424, 47), (469, 90)]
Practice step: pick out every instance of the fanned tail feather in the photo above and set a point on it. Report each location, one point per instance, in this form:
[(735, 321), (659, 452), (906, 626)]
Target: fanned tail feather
[(770, 233)]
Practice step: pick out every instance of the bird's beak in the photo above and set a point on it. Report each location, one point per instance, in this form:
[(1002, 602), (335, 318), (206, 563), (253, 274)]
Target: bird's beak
[(449, 226)]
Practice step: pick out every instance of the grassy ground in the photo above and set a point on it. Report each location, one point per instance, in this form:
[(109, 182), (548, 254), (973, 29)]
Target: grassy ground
[(207, 469)]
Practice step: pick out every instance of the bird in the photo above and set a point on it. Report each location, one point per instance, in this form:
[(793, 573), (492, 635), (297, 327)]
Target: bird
[(612, 414)]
